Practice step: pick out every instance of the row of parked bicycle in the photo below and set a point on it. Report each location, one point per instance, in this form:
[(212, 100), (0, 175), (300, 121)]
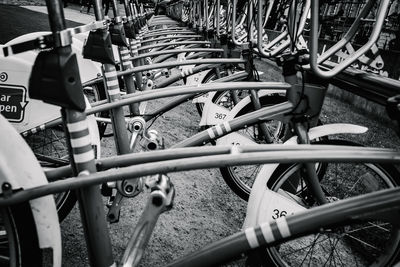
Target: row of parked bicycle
[(313, 199)]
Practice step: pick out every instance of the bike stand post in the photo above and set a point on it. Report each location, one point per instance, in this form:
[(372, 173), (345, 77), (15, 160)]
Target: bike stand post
[(114, 94), (124, 55), (58, 69)]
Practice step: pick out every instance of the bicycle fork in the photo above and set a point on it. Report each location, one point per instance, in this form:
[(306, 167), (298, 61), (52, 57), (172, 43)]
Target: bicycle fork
[(308, 169), (308, 99)]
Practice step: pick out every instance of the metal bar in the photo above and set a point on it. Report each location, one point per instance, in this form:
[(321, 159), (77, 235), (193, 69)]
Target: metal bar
[(173, 43), (126, 62), (115, 8), (234, 77), (234, 24), (178, 29), (128, 11), (117, 112), (170, 46), (173, 91), (136, 62), (170, 65), (178, 51), (171, 37), (233, 159), (168, 33), (166, 22), (217, 17), (180, 153), (236, 124), (198, 55), (250, 33), (180, 90), (128, 78), (206, 14), (186, 62)]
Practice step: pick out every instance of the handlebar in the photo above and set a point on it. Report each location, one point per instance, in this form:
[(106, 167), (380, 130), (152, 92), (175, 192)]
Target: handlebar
[(234, 24), (280, 37), (315, 60)]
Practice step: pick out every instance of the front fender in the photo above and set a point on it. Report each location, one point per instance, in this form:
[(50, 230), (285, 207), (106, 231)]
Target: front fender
[(15, 151), (259, 193)]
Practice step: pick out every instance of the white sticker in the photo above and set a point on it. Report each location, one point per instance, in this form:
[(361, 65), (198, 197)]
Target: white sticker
[(142, 107), (235, 139), (215, 114), (181, 57), (278, 204), (201, 99)]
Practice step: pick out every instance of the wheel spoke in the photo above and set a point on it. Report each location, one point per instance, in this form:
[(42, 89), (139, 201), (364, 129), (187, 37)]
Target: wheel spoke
[(363, 242)]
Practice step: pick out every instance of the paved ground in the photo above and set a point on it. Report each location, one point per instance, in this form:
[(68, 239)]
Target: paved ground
[(19, 20), (72, 13)]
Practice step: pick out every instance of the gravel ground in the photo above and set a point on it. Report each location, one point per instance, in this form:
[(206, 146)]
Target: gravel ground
[(24, 2)]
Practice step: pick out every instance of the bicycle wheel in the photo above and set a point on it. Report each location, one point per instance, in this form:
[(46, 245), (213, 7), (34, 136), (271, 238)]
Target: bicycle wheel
[(211, 76), (241, 178), (50, 148), (369, 243), (19, 245)]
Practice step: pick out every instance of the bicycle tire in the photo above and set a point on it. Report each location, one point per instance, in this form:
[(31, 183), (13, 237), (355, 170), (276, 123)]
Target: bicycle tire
[(50, 148), (19, 238), (241, 184), (370, 243)]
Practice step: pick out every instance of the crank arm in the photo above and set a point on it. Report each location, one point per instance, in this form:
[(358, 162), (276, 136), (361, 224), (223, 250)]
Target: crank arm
[(138, 242), (114, 211), (132, 142), (161, 199)]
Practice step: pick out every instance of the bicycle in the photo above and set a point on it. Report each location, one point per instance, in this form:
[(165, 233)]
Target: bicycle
[(132, 123), (390, 156)]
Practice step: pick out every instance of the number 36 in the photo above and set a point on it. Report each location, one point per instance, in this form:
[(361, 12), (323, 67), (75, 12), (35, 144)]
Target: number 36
[(278, 214)]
